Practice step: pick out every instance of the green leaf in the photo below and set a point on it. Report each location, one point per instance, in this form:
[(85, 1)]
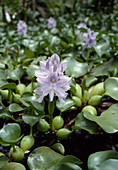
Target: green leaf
[(9, 86), (75, 68), (104, 160), (31, 70), (65, 166), (3, 75), (15, 107), (105, 68), (59, 148), (90, 80), (43, 158), (10, 133), (15, 74), (111, 87), (108, 120), (34, 104), (13, 166), (3, 160), (51, 106), (101, 48), (70, 159), (65, 106), (82, 123), (4, 113), (31, 119)]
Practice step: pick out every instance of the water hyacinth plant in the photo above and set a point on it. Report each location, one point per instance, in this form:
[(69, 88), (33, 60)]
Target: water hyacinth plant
[(89, 36), (21, 27), (51, 22), (52, 80)]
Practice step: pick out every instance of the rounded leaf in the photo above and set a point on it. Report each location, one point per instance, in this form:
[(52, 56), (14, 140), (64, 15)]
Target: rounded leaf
[(10, 133)]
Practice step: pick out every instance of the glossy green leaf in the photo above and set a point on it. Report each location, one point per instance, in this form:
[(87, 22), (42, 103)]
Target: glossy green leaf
[(13, 166), (43, 158), (104, 160), (108, 120), (3, 160), (101, 48), (90, 80), (15, 74), (31, 119), (15, 107), (3, 75), (105, 68), (34, 104), (31, 70), (75, 68), (4, 113), (65, 106), (10, 133), (65, 166), (111, 87), (70, 159), (59, 148), (82, 123), (9, 86)]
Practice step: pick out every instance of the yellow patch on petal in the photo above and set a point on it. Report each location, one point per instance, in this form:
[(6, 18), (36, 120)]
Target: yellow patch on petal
[(53, 79)]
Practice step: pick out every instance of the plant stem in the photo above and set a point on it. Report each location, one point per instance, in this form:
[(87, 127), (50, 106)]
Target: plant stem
[(88, 54), (30, 130), (10, 96), (13, 148), (51, 106)]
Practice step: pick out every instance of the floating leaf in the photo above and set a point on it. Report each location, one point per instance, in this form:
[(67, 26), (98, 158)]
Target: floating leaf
[(104, 160), (90, 80), (13, 166), (65, 166), (43, 158), (15, 74), (101, 48), (66, 105), (75, 68), (82, 123), (3, 160), (4, 113), (31, 119), (10, 133), (9, 86), (111, 87), (15, 107), (105, 68), (31, 69), (108, 120)]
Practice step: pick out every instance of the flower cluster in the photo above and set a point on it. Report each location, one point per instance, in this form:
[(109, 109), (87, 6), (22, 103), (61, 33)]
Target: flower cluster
[(51, 23), (21, 27), (52, 80), (89, 37), (81, 25)]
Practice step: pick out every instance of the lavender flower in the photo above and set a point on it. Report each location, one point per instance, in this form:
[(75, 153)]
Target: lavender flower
[(89, 38), (52, 79), (51, 23), (81, 25), (21, 27)]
